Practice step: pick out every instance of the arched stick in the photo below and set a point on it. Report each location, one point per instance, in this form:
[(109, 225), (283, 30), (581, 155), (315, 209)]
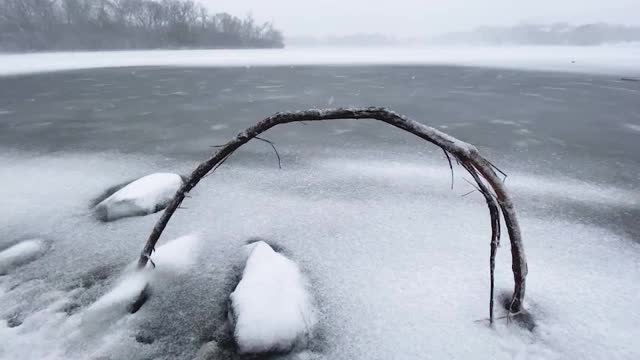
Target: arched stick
[(467, 155), (494, 213)]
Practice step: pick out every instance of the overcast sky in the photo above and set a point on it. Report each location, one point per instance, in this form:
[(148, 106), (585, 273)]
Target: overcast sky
[(408, 18)]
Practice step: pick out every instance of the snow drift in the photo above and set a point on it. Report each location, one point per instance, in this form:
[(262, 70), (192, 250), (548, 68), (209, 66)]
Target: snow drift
[(21, 253), (271, 307), (134, 286)]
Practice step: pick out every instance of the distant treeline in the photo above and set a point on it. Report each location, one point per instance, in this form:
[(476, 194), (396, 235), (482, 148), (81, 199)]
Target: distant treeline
[(555, 34), (36, 25)]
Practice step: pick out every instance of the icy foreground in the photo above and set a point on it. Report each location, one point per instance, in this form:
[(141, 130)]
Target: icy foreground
[(144, 196), (54, 331), (271, 308), (603, 59), (398, 261)]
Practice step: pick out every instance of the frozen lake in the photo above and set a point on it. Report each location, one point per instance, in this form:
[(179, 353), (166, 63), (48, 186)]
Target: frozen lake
[(397, 261)]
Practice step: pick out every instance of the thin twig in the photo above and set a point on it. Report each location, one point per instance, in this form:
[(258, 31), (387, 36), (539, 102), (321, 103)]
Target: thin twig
[(478, 189), (469, 193), (472, 184), (274, 149), (500, 171), (494, 213), (450, 166), (495, 318), (151, 261), (218, 165)]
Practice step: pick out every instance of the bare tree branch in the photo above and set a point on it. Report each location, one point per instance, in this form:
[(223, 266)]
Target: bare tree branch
[(468, 193), (465, 154), (450, 166), (500, 171), (494, 213), (217, 165)]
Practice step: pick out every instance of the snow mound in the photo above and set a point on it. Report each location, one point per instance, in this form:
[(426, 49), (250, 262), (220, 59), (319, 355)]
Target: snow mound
[(177, 256), (21, 253), (271, 307), (144, 196)]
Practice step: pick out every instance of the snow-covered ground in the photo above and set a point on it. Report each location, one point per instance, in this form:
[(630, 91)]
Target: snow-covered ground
[(399, 263), (396, 262), (617, 59)]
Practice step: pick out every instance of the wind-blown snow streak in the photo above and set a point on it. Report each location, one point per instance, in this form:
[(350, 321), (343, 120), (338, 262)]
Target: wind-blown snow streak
[(174, 258), (522, 184), (21, 253), (603, 59), (51, 333)]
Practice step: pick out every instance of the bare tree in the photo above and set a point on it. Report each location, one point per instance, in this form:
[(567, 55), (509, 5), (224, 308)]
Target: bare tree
[(481, 170), (117, 24)]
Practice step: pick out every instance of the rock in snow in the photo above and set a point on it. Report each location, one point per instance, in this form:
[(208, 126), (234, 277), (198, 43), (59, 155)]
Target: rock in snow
[(271, 308), (144, 196), (21, 253)]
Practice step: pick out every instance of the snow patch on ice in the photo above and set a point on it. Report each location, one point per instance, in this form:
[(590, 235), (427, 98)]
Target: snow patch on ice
[(271, 307), (218, 127), (341, 131), (617, 88), (269, 87), (103, 326), (540, 96), (144, 196), (503, 122), (21, 253), (633, 127)]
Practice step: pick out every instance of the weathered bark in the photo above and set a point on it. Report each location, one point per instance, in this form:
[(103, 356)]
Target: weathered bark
[(467, 155)]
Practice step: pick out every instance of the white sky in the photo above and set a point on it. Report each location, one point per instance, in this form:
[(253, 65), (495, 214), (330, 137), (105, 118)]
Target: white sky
[(407, 18)]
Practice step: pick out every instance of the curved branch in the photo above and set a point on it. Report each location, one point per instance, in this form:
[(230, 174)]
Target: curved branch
[(494, 213), (467, 155)]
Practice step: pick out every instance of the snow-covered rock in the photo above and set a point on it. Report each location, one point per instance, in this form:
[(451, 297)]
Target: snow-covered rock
[(21, 253), (271, 308), (144, 196)]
